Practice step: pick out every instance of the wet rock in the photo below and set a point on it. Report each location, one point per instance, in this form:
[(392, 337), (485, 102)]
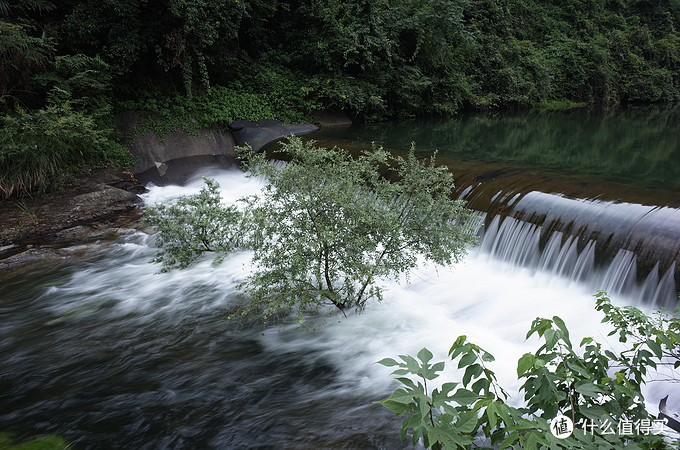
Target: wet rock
[(259, 134), (7, 250), (31, 256), (33, 229)]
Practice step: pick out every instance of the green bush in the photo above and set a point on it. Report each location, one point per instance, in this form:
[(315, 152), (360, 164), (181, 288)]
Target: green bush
[(42, 149), (82, 81), (326, 229), (215, 107), (194, 225), (23, 52), (8, 441)]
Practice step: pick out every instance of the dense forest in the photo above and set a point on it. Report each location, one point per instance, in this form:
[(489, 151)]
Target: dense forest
[(68, 66)]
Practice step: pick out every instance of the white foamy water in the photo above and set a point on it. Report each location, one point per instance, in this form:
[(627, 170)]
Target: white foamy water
[(492, 298), (149, 356)]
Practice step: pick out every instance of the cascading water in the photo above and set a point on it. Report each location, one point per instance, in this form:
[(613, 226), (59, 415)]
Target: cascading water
[(571, 212), (518, 243), (111, 354), (621, 248)]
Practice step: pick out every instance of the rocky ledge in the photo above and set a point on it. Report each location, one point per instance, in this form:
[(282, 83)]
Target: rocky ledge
[(37, 229)]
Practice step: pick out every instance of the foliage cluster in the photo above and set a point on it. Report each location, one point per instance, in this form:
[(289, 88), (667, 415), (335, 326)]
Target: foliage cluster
[(330, 225), (41, 149), (271, 94), (216, 108), (57, 108), (387, 59), (326, 228), (654, 339), (204, 63), (597, 389), (22, 53), (194, 225), (374, 59), (9, 442)]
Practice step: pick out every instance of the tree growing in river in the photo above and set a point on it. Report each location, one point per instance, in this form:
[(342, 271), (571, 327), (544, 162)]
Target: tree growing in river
[(328, 227)]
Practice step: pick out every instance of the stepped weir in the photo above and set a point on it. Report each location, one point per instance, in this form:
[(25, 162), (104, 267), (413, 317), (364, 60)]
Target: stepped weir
[(614, 244)]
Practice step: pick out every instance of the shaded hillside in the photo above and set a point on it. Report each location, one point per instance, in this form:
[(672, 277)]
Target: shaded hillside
[(216, 61)]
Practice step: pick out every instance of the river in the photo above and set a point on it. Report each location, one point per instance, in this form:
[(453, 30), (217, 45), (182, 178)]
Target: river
[(108, 353)]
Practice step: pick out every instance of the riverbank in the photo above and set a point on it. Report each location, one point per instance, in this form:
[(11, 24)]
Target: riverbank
[(106, 203), (38, 229)]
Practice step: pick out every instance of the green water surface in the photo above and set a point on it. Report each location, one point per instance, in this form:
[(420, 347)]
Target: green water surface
[(639, 145)]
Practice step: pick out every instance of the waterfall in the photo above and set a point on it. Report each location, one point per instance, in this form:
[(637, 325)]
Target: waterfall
[(622, 248), (106, 349)]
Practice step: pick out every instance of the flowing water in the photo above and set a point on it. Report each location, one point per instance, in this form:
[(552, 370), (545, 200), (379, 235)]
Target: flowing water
[(108, 353), (592, 196)]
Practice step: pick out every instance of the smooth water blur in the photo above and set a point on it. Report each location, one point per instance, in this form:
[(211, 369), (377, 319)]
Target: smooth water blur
[(605, 183), (108, 353)]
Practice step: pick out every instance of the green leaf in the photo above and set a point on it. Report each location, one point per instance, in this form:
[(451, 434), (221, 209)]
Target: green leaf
[(425, 355), (396, 407), (539, 326), (551, 338), (407, 382), (525, 363), (577, 367), (458, 349), (491, 414), (510, 440), (388, 362), (466, 360), (665, 340), (438, 367), (488, 357), (563, 328), (655, 347), (424, 406), (471, 372), (412, 364), (593, 412), (449, 438), (466, 422), (539, 363), (464, 397), (588, 389), (481, 385)]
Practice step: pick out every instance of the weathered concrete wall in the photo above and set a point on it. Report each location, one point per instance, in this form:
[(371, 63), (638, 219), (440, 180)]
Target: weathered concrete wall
[(154, 152), (176, 155), (179, 155)]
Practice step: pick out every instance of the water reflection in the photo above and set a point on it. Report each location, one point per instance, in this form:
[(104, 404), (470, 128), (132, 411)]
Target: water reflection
[(636, 144), (604, 180)]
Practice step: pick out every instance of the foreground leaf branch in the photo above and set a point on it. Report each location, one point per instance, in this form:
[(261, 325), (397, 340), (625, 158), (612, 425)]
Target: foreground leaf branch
[(326, 228), (600, 391)]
